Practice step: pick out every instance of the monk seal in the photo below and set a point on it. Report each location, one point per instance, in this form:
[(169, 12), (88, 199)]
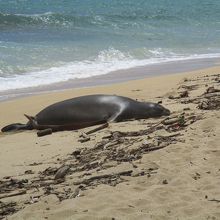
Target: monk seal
[(85, 111)]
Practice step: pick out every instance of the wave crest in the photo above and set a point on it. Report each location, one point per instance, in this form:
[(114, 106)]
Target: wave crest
[(46, 19), (70, 20)]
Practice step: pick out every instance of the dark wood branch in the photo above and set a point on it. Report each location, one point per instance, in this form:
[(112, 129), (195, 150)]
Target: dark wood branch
[(97, 129), (104, 176), (13, 194)]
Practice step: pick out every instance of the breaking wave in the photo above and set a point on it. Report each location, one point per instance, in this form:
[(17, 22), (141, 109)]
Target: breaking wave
[(105, 62)]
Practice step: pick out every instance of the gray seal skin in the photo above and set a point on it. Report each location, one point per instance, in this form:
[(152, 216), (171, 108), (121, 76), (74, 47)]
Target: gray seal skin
[(85, 111)]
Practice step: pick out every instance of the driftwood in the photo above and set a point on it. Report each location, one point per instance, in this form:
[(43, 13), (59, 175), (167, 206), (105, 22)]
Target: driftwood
[(212, 90), (61, 172), (148, 149), (97, 129), (118, 134), (197, 99), (84, 138), (21, 192), (7, 209), (214, 200), (75, 194), (104, 176), (209, 104), (44, 132)]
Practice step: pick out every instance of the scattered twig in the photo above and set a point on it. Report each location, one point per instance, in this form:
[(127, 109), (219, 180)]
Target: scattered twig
[(214, 200), (104, 176), (84, 138), (98, 128), (21, 192)]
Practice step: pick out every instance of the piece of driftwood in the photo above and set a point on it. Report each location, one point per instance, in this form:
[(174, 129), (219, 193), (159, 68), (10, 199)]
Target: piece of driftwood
[(171, 121), (184, 94), (189, 87), (148, 149), (7, 208), (118, 134), (44, 132), (210, 95), (61, 172), (104, 176), (209, 104), (212, 89), (75, 194), (214, 200), (84, 138), (97, 129), (198, 99), (21, 192)]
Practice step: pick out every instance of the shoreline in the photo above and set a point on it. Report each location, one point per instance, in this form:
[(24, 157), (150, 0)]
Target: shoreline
[(119, 76)]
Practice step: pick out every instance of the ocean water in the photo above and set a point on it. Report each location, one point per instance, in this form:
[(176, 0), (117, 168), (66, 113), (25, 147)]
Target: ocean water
[(48, 41)]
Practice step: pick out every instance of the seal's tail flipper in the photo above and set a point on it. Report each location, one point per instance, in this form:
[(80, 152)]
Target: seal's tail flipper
[(14, 127), (18, 126)]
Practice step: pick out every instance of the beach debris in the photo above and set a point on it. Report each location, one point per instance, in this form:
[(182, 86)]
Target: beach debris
[(209, 104), (214, 200), (176, 123), (171, 121), (61, 172), (189, 87), (171, 97), (29, 172), (184, 94), (44, 132), (35, 164), (76, 193), (212, 90), (104, 178), (76, 152), (98, 128), (7, 208), (187, 109), (34, 199), (10, 185), (152, 128), (165, 182), (84, 138), (18, 193)]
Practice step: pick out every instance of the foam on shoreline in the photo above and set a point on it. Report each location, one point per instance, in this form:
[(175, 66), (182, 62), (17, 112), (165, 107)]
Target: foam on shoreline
[(114, 76)]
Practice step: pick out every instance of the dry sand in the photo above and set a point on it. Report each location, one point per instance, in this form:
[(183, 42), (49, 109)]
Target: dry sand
[(179, 181)]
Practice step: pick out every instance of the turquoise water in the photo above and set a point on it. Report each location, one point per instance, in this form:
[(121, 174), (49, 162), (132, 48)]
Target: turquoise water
[(47, 41)]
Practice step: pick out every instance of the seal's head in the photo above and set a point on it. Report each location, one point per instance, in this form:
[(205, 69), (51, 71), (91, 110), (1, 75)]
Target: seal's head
[(157, 110)]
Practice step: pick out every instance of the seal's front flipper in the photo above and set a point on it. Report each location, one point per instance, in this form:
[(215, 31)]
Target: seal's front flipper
[(32, 121), (14, 127)]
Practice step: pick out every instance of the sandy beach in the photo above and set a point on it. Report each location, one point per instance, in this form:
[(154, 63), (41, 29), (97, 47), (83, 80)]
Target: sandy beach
[(168, 172)]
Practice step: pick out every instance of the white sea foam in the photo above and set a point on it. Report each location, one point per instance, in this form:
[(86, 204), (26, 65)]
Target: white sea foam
[(106, 61)]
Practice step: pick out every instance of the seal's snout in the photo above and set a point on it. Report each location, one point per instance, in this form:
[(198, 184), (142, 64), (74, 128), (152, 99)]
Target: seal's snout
[(161, 111), (166, 112)]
